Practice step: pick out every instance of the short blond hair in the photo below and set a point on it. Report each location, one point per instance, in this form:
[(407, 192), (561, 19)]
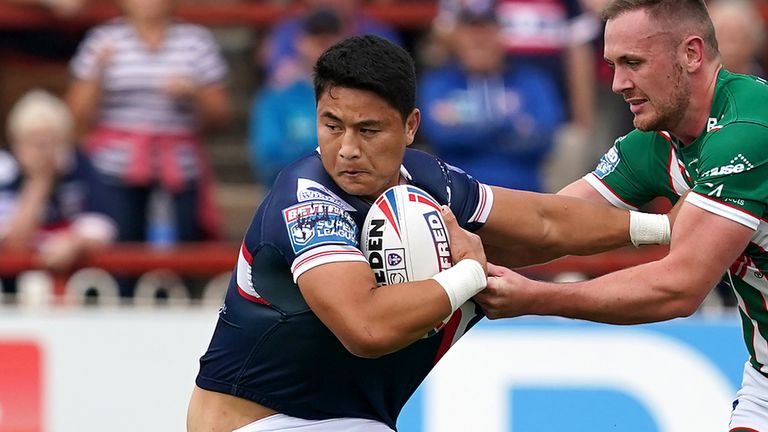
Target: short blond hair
[(39, 109), (681, 16)]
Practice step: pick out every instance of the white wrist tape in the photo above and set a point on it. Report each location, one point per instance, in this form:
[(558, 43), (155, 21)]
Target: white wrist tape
[(648, 228), (462, 281)]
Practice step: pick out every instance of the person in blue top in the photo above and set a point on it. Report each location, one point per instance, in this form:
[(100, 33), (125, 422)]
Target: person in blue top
[(487, 113), (305, 340), (281, 48), (282, 118)]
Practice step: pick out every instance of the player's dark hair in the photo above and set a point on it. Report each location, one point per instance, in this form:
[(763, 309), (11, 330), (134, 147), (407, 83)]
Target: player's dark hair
[(671, 14), (369, 63)]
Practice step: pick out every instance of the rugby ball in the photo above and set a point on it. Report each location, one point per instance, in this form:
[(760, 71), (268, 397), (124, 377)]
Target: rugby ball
[(404, 238)]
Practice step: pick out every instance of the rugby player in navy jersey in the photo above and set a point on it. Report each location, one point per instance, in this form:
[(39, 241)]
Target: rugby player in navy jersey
[(305, 340)]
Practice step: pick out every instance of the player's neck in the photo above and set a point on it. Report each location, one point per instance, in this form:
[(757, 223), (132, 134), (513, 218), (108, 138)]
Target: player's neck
[(694, 122)]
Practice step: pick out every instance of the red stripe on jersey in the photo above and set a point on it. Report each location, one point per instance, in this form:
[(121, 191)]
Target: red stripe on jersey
[(449, 332), (755, 332), (669, 168), (481, 205), (739, 267), (675, 163), (326, 253), (743, 429), (614, 192), (251, 298), (246, 254)]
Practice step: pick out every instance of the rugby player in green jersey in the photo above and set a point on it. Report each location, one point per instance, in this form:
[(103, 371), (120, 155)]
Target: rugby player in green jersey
[(698, 127)]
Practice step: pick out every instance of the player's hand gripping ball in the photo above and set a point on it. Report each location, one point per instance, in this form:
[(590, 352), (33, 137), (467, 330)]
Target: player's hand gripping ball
[(405, 239)]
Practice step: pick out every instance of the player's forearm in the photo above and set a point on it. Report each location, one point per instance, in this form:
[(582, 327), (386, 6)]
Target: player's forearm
[(553, 225), (83, 99), (394, 316), (213, 107), (647, 293)]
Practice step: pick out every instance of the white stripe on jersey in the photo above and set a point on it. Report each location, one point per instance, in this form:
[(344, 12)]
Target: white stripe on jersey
[(244, 271), (484, 204), (720, 209), (761, 235), (325, 255), (675, 170), (759, 343), (606, 192)]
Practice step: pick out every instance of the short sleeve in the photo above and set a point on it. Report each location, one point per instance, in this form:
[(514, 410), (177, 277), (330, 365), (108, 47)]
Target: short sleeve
[(470, 200), (628, 174), (319, 230), (211, 68), (733, 167), (84, 64)]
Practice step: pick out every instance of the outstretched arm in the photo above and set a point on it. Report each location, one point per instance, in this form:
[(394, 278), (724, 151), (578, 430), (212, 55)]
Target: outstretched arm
[(526, 228), (703, 246)]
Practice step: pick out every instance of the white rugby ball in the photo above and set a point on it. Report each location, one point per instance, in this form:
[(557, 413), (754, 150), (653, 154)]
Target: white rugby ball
[(405, 239)]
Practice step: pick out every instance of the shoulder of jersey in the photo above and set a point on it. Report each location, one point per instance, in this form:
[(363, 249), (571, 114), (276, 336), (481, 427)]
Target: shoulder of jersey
[(9, 168), (429, 172), (749, 94)]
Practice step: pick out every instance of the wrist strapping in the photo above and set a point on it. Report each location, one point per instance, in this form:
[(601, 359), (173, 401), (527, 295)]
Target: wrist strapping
[(462, 281), (648, 228)]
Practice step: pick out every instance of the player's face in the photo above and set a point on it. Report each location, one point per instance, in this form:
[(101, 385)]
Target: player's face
[(362, 140), (647, 71)]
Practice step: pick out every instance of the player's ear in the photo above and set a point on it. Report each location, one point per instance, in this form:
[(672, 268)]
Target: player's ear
[(694, 52), (412, 125)]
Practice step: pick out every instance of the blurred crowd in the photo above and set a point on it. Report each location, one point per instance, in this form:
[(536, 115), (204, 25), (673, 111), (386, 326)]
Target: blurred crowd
[(116, 147)]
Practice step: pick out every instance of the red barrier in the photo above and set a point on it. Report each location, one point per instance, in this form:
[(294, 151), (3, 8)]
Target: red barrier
[(403, 15), (190, 259), (209, 259)]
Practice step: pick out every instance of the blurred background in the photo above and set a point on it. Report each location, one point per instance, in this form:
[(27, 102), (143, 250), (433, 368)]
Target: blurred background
[(139, 136)]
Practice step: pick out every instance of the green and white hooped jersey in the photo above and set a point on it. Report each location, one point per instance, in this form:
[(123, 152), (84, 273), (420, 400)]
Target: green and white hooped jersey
[(726, 168)]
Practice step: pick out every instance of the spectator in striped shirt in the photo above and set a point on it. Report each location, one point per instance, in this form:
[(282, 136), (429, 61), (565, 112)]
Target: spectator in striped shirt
[(144, 85)]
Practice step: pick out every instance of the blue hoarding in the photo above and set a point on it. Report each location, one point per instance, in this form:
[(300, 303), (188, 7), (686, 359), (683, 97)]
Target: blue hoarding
[(550, 374)]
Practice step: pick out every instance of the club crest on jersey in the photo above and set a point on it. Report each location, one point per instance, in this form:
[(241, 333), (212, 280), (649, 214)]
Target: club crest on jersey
[(316, 223), (608, 163)]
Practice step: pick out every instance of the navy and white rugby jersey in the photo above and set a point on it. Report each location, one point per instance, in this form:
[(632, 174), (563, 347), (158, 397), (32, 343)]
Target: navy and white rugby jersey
[(270, 348)]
